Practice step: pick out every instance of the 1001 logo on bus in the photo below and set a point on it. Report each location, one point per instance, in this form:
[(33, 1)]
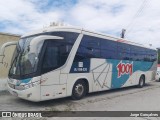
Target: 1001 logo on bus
[(124, 68)]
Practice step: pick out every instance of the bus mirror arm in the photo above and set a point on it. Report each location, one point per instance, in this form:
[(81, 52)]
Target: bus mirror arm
[(38, 41), (2, 50)]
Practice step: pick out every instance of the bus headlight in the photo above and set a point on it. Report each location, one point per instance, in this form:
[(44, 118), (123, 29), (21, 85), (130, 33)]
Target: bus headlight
[(26, 86)]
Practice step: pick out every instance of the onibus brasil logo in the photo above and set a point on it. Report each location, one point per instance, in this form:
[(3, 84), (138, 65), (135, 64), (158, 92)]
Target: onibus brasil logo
[(124, 68)]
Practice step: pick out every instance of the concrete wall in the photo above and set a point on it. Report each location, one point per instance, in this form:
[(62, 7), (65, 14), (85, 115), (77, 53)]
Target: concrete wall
[(4, 68)]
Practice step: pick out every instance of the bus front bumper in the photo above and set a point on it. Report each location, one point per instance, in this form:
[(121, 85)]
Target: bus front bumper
[(31, 94)]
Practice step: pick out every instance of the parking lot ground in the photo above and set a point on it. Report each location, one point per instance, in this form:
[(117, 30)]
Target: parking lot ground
[(125, 99)]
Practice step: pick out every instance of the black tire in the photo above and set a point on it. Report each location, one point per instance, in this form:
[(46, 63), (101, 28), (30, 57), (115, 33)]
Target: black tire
[(141, 82), (159, 79), (79, 90)]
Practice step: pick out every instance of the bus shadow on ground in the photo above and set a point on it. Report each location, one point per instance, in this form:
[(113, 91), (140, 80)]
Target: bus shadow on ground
[(68, 100), (119, 90)]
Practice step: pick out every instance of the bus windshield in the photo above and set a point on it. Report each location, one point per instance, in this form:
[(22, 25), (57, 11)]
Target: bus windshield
[(23, 62), (30, 60)]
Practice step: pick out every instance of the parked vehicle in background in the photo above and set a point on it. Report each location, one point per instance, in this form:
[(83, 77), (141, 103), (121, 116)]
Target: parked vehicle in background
[(158, 73), (57, 62)]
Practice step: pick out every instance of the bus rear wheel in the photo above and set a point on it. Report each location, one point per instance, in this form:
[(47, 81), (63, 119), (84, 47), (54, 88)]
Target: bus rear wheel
[(79, 90), (141, 82)]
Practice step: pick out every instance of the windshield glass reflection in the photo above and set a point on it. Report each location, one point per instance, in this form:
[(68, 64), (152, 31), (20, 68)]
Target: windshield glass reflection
[(24, 62)]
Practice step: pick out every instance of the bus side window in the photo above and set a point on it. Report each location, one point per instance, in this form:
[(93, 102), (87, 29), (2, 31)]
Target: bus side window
[(51, 59), (153, 56), (137, 54), (108, 49), (93, 50), (55, 55), (88, 48), (124, 51)]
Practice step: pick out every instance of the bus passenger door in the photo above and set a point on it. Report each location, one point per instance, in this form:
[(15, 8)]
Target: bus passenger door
[(51, 63)]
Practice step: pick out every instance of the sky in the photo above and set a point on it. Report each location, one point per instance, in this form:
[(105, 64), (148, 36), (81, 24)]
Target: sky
[(140, 18)]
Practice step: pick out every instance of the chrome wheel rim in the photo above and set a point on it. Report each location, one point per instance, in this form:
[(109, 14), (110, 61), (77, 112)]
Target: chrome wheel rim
[(141, 82), (79, 89)]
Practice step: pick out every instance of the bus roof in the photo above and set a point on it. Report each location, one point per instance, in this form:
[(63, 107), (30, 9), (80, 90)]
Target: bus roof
[(84, 31)]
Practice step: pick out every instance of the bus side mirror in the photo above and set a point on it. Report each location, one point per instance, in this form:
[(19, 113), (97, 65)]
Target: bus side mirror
[(2, 50), (37, 42)]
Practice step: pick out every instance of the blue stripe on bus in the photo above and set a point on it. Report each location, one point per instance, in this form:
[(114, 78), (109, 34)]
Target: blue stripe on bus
[(116, 82), (24, 81)]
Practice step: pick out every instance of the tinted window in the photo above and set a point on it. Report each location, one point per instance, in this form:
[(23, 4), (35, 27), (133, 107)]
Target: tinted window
[(93, 47), (123, 51), (57, 51), (153, 55), (108, 49), (142, 54), (55, 55), (137, 53), (88, 48), (51, 58), (69, 37)]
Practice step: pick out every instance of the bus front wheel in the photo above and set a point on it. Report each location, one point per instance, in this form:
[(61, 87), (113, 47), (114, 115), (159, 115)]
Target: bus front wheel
[(141, 82), (79, 90)]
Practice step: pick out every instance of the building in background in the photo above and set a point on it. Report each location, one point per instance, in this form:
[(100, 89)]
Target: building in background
[(7, 37)]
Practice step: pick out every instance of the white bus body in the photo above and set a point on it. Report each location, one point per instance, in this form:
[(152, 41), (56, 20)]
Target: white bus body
[(48, 64)]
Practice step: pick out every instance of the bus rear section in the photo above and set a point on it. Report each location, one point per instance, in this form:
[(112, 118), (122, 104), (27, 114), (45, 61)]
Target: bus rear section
[(103, 64)]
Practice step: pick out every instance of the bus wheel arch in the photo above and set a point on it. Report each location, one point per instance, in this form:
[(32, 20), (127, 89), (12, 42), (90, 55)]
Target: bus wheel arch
[(141, 81), (80, 88)]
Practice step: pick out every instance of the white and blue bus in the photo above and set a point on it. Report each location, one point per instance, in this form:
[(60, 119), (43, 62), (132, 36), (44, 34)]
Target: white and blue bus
[(62, 61)]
